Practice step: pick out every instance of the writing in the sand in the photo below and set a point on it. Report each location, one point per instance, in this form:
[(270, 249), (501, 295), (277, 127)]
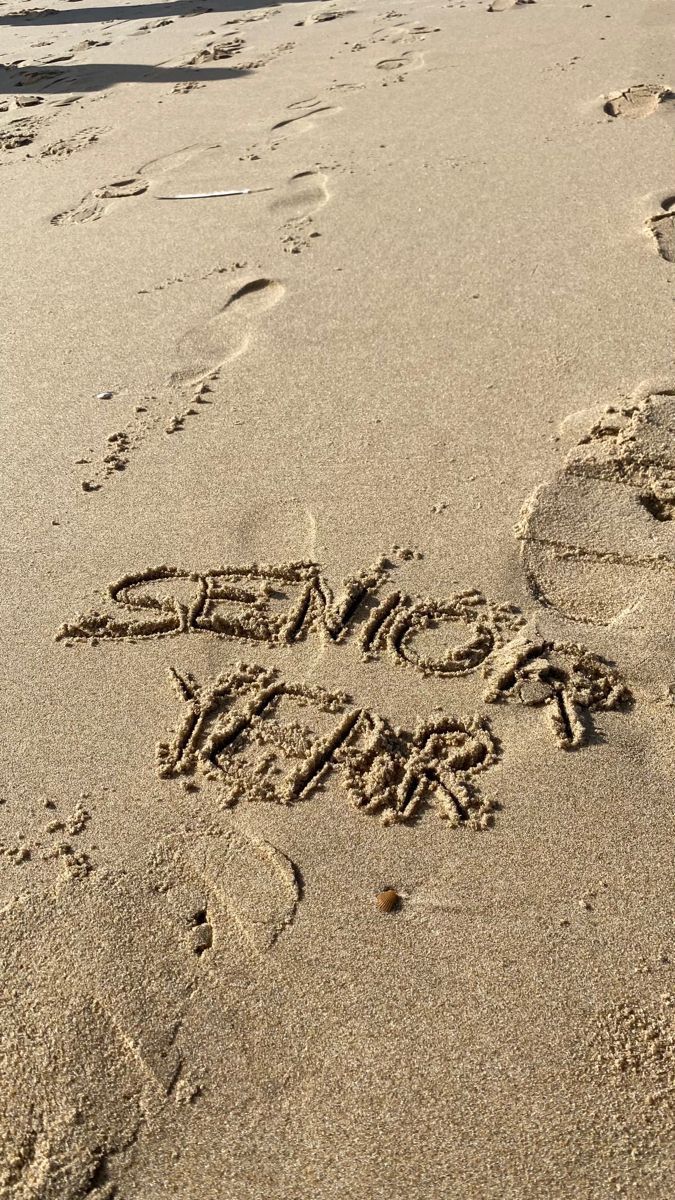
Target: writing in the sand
[(264, 738), (281, 604), (235, 728)]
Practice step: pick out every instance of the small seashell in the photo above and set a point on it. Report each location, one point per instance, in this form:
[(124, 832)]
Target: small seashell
[(104, 396), (386, 901)]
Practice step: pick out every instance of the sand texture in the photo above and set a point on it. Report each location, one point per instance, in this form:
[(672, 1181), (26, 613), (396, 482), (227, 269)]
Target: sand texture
[(338, 572)]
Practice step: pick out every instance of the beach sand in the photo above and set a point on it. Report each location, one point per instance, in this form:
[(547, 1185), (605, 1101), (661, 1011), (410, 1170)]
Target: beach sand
[(337, 559)]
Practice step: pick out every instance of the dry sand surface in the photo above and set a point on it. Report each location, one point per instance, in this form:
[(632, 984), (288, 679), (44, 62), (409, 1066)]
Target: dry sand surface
[(338, 559)]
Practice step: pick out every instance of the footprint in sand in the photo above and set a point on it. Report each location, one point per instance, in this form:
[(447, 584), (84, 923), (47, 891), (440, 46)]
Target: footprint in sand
[(94, 1047), (503, 5), (303, 195), (97, 203), (148, 28), (93, 206), (115, 999), (205, 349), (67, 146), (598, 541), (224, 883), (201, 352), (639, 101), (408, 34), (88, 44), (21, 16), (216, 51), (20, 132), (662, 227), (330, 14), (409, 60)]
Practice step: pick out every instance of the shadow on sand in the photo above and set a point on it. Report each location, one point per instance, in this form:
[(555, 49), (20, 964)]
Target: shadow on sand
[(96, 77), (135, 12)]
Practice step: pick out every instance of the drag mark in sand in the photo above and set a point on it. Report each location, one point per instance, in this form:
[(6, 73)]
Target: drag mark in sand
[(304, 120)]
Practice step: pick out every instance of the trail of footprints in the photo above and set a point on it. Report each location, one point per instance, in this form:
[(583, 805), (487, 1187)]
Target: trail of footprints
[(203, 352), (636, 103), (26, 134)]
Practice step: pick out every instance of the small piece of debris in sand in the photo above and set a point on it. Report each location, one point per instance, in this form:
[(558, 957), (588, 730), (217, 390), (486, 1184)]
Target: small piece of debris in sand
[(211, 195)]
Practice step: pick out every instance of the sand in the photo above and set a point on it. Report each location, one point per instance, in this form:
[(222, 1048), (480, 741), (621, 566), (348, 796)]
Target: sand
[(336, 814)]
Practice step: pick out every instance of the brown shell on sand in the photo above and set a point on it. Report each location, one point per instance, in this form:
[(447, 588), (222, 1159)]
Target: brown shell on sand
[(386, 901)]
